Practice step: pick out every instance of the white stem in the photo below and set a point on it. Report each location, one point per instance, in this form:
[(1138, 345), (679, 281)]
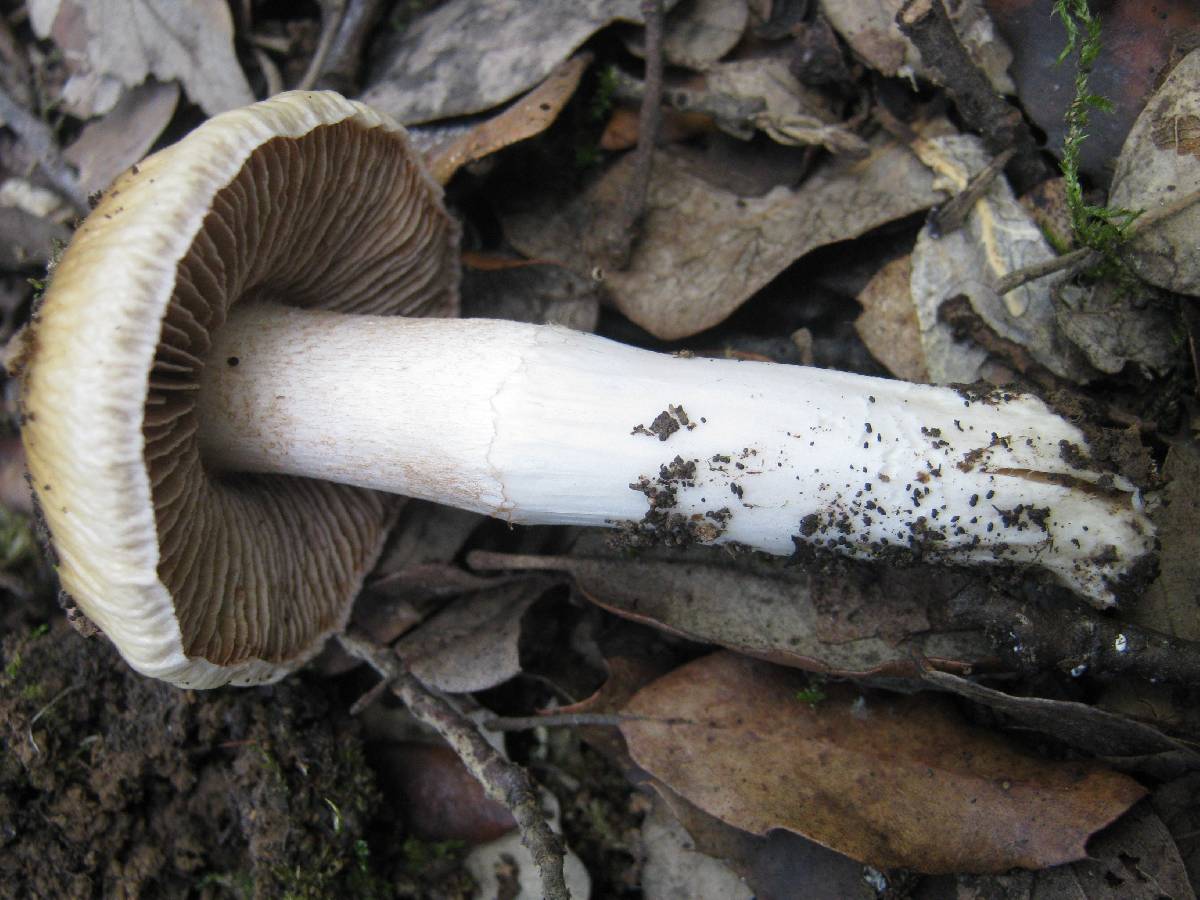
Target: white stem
[(537, 424)]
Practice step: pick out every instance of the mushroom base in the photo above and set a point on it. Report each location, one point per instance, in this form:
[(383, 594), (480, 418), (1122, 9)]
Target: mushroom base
[(538, 424)]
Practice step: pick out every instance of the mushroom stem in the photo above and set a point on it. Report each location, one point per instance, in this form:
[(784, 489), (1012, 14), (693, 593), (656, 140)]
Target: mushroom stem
[(538, 424)]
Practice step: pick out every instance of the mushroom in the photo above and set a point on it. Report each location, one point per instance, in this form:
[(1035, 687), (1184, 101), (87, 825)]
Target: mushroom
[(225, 387)]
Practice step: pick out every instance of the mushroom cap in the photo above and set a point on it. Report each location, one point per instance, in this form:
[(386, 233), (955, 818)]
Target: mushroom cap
[(202, 578)]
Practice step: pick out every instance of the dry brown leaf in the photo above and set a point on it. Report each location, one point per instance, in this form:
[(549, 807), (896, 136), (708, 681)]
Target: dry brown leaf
[(531, 115), (704, 250), (836, 624), (474, 643), (889, 781), (108, 146), (129, 40), (465, 57), (1159, 172), (888, 324)]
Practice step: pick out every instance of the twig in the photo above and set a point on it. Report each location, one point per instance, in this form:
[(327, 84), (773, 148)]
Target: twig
[(926, 24), (331, 20), (1076, 259), (503, 781), (571, 720), (620, 241), (37, 136), (951, 215)]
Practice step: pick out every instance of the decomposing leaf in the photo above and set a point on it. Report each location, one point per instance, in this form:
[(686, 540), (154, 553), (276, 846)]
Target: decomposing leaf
[(998, 237), (189, 41), (1159, 172), (835, 624), (1178, 805), (531, 115), (108, 146), (1114, 323), (778, 866), (889, 781), (790, 113), (465, 57), (888, 324), (472, 644), (869, 27), (1090, 729), (1135, 859), (703, 250), (1138, 39), (528, 291), (698, 33)]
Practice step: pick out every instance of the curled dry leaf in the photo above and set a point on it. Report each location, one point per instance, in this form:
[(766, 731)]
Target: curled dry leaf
[(888, 324), (848, 623), (465, 57), (1090, 729), (1159, 173), (704, 251), (889, 781), (189, 41), (531, 115)]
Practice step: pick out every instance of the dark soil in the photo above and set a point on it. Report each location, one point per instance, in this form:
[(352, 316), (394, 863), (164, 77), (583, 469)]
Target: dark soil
[(116, 785)]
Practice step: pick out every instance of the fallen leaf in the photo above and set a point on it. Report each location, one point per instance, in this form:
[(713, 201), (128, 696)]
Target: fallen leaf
[(474, 643), (465, 57), (28, 240), (1131, 744), (779, 866), (435, 796), (1178, 805), (999, 237), (1137, 44), (108, 146), (889, 781), (869, 27), (190, 41), (888, 324), (1115, 323), (531, 115), (1133, 859), (675, 867), (698, 33), (835, 624), (529, 291), (1158, 172), (704, 251)]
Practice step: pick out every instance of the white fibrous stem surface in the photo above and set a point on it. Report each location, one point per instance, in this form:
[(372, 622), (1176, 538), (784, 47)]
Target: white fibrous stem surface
[(538, 424)]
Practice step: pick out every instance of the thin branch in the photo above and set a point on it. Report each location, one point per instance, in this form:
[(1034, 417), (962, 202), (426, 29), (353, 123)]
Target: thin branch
[(503, 781), (571, 720), (38, 137), (1076, 259)]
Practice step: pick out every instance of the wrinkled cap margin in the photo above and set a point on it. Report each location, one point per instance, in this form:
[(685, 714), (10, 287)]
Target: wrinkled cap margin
[(201, 578)]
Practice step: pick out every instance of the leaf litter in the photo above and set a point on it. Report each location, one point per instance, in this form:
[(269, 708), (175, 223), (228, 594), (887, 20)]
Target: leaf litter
[(795, 137)]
